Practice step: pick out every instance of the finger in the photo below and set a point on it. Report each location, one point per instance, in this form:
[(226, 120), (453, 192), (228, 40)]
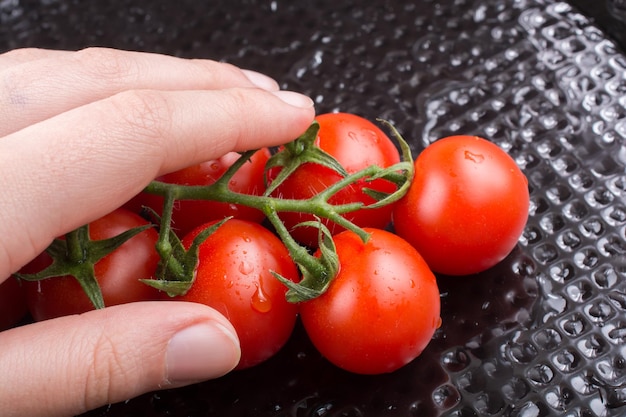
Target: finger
[(38, 84), (77, 363), (68, 170), (22, 55)]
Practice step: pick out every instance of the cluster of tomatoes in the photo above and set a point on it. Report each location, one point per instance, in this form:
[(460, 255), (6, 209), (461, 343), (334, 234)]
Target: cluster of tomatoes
[(464, 211)]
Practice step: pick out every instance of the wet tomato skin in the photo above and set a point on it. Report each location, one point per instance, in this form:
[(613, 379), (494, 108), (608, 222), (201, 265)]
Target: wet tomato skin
[(467, 205), (355, 143), (234, 276), (12, 303), (380, 311)]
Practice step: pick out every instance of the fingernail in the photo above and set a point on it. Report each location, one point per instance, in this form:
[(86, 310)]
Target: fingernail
[(261, 80), (294, 99), (202, 351)]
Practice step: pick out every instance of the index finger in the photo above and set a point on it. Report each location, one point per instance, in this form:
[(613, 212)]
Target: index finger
[(22, 55), (70, 169)]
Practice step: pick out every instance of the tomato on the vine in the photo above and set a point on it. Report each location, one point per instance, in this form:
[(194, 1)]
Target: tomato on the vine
[(380, 311), (355, 143), (188, 214), (234, 276), (12, 303), (467, 205), (118, 273)]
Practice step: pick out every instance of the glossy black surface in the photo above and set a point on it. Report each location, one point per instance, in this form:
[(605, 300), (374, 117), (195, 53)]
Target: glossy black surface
[(541, 334)]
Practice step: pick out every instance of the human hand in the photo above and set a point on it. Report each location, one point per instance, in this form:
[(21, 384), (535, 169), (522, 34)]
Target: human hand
[(80, 134)]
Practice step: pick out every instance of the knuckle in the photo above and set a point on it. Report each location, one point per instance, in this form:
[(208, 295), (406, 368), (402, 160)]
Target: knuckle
[(21, 54), (236, 104), (109, 370), (220, 72), (145, 115), (107, 64), (217, 75)]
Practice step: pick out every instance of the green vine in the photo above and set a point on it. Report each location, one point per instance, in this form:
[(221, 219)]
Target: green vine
[(77, 254), (175, 273)]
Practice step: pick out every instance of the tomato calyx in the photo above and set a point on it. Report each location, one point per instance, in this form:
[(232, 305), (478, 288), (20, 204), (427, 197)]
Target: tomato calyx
[(176, 270), (77, 254), (400, 174), (317, 272), (300, 151), (176, 273)]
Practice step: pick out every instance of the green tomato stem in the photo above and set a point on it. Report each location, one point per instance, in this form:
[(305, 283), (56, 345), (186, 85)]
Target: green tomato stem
[(75, 243), (317, 272)]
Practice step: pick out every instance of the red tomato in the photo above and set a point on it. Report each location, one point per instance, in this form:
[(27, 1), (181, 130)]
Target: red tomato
[(355, 143), (118, 273), (467, 205), (188, 214), (12, 303), (380, 311), (234, 277)]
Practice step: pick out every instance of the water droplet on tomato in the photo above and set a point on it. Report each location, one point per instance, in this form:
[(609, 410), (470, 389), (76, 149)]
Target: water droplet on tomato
[(352, 135), (260, 302), (246, 267), (373, 135), (474, 157), (215, 166)]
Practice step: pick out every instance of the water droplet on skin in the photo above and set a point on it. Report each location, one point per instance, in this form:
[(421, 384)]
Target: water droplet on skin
[(352, 135), (215, 166), (260, 302)]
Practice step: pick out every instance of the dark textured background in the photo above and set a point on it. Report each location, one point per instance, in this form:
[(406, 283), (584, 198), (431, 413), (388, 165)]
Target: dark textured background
[(541, 334)]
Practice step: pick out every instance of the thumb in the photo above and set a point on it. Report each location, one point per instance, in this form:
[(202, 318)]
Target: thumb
[(77, 363)]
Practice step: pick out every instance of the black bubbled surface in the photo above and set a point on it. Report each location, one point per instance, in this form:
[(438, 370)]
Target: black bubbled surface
[(542, 333)]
